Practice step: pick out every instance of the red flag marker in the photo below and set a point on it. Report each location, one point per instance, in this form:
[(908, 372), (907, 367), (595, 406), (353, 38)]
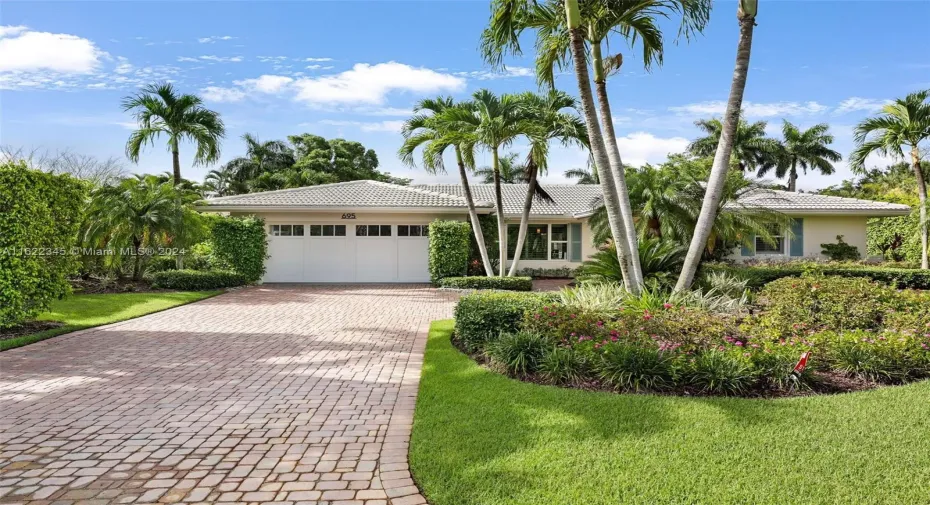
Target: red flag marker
[(802, 363)]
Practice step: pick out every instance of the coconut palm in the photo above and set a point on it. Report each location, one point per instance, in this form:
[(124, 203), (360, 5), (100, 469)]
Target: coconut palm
[(554, 118), (586, 175), (261, 157), (512, 170), (904, 123), (752, 149), (807, 149), (746, 11), (140, 212), (160, 109), (431, 129)]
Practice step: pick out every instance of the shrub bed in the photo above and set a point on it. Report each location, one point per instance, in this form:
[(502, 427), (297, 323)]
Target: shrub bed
[(859, 333), (758, 276), (478, 282), (196, 280)]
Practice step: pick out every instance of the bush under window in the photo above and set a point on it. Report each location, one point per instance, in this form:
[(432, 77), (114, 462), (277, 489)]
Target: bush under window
[(196, 280)]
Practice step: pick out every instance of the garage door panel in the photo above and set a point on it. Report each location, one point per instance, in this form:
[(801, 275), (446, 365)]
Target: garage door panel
[(413, 259), (286, 262), (330, 260), (376, 259)]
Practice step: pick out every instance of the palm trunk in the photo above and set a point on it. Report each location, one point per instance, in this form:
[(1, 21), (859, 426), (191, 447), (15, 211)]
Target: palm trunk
[(473, 215), (524, 219), (499, 203), (598, 150), (718, 173), (137, 259), (616, 163), (176, 161), (922, 198), (793, 180)]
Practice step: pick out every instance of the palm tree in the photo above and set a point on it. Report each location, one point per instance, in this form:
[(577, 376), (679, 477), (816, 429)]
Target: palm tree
[(586, 175), (139, 211), (160, 109), (563, 30), (746, 15), (512, 171), (431, 128), (261, 157), (902, 123), (554, 118), (804, 149), (752, 150)]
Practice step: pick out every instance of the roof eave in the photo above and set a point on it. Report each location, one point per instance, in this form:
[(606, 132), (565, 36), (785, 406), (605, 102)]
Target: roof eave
[(318, 208)]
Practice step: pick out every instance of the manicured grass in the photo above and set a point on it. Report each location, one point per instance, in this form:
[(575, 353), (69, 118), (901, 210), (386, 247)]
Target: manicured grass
[(482, 438), (85, 311)]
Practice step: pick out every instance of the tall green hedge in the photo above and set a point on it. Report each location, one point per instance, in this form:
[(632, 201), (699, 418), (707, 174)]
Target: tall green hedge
[(448, 249), (760, 275), (241, 244), (39, 218)]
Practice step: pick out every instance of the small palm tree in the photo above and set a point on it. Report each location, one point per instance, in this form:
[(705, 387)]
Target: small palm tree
[(807, 149), (261, 157), (159, 109), (904, 123), (586, 175), (139, 212), (512, 171), (752, 150)]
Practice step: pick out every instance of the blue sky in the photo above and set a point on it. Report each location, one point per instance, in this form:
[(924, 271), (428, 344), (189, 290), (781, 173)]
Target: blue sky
[(354, 69)]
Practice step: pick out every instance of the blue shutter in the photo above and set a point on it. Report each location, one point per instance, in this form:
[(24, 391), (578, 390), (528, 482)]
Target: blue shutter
[(747, 251), (797, 241), (574, 235)]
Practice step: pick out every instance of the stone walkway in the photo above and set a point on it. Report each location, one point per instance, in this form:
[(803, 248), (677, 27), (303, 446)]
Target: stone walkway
[(276, 394)]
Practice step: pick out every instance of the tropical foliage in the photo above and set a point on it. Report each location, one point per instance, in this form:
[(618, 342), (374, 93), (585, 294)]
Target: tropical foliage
[(512, 170), (804, 149), (752, 149)]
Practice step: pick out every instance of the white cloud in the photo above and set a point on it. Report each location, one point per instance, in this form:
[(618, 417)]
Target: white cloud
[(366, 83), (378, 126), (9, 31), (318, 59), (188, 59), (218, 94), (214, 38), (752, 109), (221, 59), (856, 103), (381, 111), (22, 50), (639, 148), (483, 75), (266, 83)]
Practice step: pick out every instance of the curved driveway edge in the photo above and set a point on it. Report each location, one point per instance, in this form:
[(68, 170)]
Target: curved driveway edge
[(275, 394)]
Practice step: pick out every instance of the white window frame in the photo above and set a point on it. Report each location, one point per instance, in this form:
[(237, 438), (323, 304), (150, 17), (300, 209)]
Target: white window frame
[(271, 230), (368, 227), (785, 245), (333, 236), (424, 231), (567, 242)]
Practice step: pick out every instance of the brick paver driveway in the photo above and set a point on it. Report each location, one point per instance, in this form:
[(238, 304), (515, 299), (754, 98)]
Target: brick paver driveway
[(268, 394)]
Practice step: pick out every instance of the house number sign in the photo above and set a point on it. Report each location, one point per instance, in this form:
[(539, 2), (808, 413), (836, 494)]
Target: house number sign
[(350, 215)]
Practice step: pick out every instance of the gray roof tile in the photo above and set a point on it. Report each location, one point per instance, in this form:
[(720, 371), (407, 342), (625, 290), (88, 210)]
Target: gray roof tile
[(570, 199)]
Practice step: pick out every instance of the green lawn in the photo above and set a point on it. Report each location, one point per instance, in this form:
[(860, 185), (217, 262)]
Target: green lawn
[(85, 311), (481, 438)]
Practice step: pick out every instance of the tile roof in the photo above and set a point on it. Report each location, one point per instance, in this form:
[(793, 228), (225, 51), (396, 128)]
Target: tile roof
[(570, 199), (346, 195), (576, 200)]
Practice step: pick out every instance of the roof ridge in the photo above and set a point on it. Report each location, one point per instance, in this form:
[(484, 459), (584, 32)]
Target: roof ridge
[(422, 191), (286, 190)]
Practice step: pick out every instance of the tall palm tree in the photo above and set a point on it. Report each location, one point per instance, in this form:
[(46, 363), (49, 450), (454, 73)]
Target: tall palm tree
[(902, 123), (752, 149), (746, 11), (808, 149), (563, 31), (432, 129), (493, 122), (138, 211), (160, 109), (512, 170), (553, 115)]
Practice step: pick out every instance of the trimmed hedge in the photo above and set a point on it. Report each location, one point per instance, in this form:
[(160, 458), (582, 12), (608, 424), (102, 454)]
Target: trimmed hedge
[(758, 276), (196, 280), (242, 244), (478, 282), (448, 249), (40, 214), (481, 316)]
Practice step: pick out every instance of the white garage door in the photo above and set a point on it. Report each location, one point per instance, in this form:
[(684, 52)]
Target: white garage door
[(336, 252)]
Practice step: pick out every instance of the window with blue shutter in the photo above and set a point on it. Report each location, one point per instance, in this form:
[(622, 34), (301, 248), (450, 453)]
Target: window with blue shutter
[(575, 238), (749, 250), (797, 241)]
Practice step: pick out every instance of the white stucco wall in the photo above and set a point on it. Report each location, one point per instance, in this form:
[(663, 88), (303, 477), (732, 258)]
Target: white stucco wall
[(820, 229)]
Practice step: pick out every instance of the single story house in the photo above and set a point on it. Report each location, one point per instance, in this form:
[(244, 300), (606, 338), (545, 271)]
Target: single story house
[(367, 231)]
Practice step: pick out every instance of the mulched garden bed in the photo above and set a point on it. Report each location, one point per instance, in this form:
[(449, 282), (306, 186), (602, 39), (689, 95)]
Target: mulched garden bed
[(826, 383), (96, 286), (28, 329)]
